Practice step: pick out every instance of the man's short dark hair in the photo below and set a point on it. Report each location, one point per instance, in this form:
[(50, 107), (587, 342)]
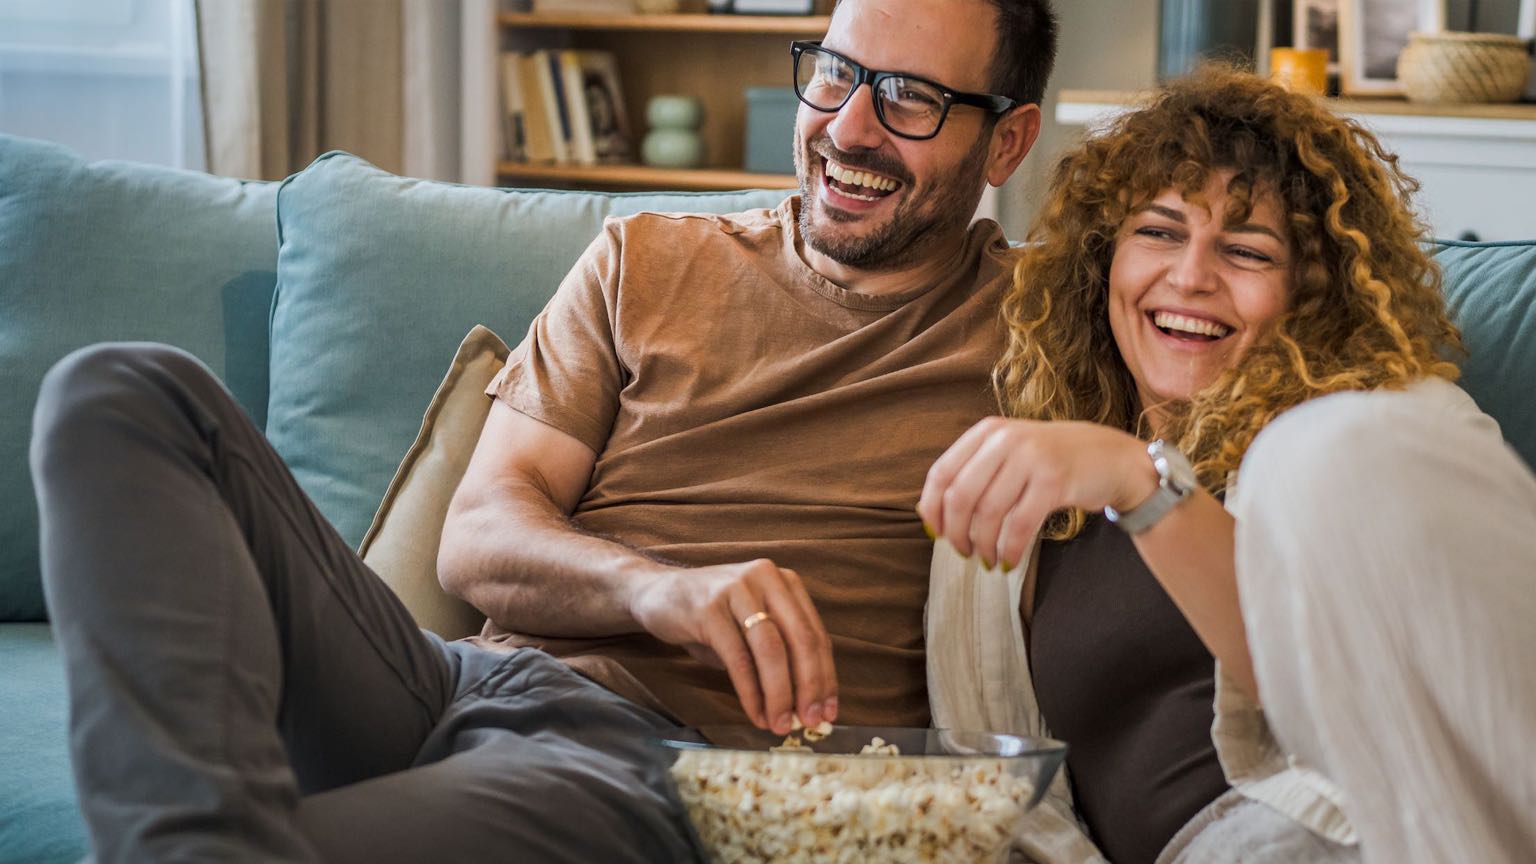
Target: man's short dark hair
[(1026, 48)]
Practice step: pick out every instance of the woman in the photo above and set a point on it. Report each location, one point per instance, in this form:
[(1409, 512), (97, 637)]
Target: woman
[(1201, 269)]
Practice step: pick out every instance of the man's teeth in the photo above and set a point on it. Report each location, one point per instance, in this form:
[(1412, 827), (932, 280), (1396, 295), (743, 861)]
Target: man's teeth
[(1185, 324), (859, 178)]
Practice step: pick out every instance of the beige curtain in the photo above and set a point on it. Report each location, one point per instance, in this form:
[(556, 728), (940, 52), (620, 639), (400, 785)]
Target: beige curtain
[(287, 80), (432, 59)]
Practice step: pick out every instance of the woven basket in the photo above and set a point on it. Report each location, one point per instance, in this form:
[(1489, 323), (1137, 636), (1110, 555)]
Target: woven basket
[(1463, 67)]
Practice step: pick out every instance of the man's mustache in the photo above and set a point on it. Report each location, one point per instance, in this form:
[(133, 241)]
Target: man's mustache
[(872, 161)]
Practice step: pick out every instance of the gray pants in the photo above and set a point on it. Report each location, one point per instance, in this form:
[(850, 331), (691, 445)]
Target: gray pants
[(243, 687)]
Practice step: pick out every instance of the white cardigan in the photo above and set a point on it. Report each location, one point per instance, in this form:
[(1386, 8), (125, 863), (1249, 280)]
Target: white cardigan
[(978, 678)]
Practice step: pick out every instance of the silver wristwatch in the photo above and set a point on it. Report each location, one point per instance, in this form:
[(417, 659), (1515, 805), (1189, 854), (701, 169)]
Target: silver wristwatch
[(1175, 480)]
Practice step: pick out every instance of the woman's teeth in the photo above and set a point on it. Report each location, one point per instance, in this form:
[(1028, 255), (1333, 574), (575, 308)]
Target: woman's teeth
[(1186, 324)]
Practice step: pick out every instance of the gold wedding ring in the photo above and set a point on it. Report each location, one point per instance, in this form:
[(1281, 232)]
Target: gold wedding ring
[(753, 620)]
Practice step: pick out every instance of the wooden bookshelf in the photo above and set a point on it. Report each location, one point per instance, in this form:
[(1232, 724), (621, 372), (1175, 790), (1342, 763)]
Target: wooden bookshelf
[(712, 57), (641, 177), (791, 25)]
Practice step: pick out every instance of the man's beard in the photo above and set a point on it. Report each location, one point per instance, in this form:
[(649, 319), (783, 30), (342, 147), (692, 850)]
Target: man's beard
[(925, 217)]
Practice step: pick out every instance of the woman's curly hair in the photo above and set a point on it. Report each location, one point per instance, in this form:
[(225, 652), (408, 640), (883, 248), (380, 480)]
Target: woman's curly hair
[(1365, 309)]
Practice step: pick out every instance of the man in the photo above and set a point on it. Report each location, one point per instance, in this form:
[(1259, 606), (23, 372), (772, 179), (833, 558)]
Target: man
[(754, 399)]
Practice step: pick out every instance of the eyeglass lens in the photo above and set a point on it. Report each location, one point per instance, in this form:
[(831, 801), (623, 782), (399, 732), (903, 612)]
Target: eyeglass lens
[(907, 106)]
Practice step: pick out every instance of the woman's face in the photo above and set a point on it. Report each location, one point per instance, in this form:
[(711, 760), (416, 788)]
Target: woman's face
[(1188, 294)]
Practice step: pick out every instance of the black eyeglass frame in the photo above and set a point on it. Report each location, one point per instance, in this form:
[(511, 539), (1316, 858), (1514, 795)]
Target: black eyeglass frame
[(988, 102)]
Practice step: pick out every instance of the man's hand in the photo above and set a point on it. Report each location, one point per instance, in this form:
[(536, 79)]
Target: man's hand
[(993, 488), (779, 665)]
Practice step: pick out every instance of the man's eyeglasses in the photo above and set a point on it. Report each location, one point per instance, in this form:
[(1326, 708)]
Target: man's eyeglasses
[(909, 106)]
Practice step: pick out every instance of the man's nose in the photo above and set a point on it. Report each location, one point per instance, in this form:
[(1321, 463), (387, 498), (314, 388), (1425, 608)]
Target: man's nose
[(857, 126)]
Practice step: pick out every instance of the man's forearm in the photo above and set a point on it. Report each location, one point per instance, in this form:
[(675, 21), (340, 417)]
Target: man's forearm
[(514, 556), (509, 549)]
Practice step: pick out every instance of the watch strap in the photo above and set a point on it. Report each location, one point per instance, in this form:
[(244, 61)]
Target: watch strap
[(1175, 480), (1147, 513)]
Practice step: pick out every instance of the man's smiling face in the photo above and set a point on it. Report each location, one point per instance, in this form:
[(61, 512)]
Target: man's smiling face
[(871, 199)]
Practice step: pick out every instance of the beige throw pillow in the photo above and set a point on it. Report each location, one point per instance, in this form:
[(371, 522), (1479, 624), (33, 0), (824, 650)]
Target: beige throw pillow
[(401, 544)]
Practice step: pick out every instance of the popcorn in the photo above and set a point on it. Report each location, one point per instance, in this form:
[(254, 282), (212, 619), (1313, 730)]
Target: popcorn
[(820, 731), (793, 805)]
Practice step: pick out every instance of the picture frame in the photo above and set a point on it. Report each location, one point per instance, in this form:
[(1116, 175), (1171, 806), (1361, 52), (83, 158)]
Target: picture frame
[(612, 140), (1315, 24), (1372, 33)]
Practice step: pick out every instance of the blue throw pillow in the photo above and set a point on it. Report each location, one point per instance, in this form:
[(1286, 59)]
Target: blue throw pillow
[(1491, 290), (380, 277), (91, 252)]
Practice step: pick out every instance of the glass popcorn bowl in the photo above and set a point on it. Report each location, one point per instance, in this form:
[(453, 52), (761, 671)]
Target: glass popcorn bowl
[(861, 793)]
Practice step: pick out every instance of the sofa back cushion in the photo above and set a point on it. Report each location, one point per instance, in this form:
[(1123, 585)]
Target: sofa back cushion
[(39, 817), (380, 277), (1491, 289), (95, 251)]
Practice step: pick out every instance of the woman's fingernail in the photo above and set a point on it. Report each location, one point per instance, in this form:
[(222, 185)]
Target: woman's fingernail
[(987, 563), (812, 716), (928, 529), (784, 723), (829, 708)]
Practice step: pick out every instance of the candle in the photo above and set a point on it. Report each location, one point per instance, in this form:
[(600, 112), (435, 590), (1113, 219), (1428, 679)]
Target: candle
[(1303, 70)]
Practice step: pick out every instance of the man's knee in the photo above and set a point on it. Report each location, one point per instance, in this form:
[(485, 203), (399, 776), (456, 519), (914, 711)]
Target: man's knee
[(115, 380), (1384, 470), (1310, 444), (1335, 455)]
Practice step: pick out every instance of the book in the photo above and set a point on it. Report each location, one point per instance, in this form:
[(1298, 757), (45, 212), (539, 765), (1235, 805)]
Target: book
[(514, 127), (547, 68), (574, 87), (538, 134), (607, 122)]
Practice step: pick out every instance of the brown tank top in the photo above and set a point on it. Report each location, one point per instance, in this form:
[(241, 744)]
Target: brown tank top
[(1123, 679)]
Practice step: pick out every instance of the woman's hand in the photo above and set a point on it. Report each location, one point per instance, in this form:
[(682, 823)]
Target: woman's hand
[(992, 490)]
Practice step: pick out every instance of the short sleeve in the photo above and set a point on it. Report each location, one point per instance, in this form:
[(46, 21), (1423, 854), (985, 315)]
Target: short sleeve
[(566, 373)]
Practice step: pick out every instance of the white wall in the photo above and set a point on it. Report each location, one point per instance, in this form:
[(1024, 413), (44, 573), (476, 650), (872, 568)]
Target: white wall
[(1104, 45)]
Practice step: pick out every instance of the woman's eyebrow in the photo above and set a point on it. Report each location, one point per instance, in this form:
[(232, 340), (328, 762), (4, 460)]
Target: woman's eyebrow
[(1161, 210), (1255, 228), (1179, 217)]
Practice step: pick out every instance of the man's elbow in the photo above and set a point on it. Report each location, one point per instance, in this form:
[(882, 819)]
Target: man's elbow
[(455, 560)]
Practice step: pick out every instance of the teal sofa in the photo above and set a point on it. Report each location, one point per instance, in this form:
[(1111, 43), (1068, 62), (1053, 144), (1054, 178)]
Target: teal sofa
[(331, 304)]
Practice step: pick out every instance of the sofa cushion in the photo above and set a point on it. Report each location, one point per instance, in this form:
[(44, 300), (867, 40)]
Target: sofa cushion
[(1491, 289), (379, 277), (97, 251), (39, 821), (401, 544)]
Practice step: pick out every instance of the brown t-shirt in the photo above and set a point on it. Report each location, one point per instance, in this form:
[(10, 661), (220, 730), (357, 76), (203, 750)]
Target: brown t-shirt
[(743, 407)]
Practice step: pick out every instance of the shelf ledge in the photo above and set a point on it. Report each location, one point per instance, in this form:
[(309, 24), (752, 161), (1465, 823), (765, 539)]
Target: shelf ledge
[(644, 177), (752, 24), (1085, 101)]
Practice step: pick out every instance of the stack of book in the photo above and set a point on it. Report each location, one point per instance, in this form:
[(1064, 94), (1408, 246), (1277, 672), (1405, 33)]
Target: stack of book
[(563, 107)]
